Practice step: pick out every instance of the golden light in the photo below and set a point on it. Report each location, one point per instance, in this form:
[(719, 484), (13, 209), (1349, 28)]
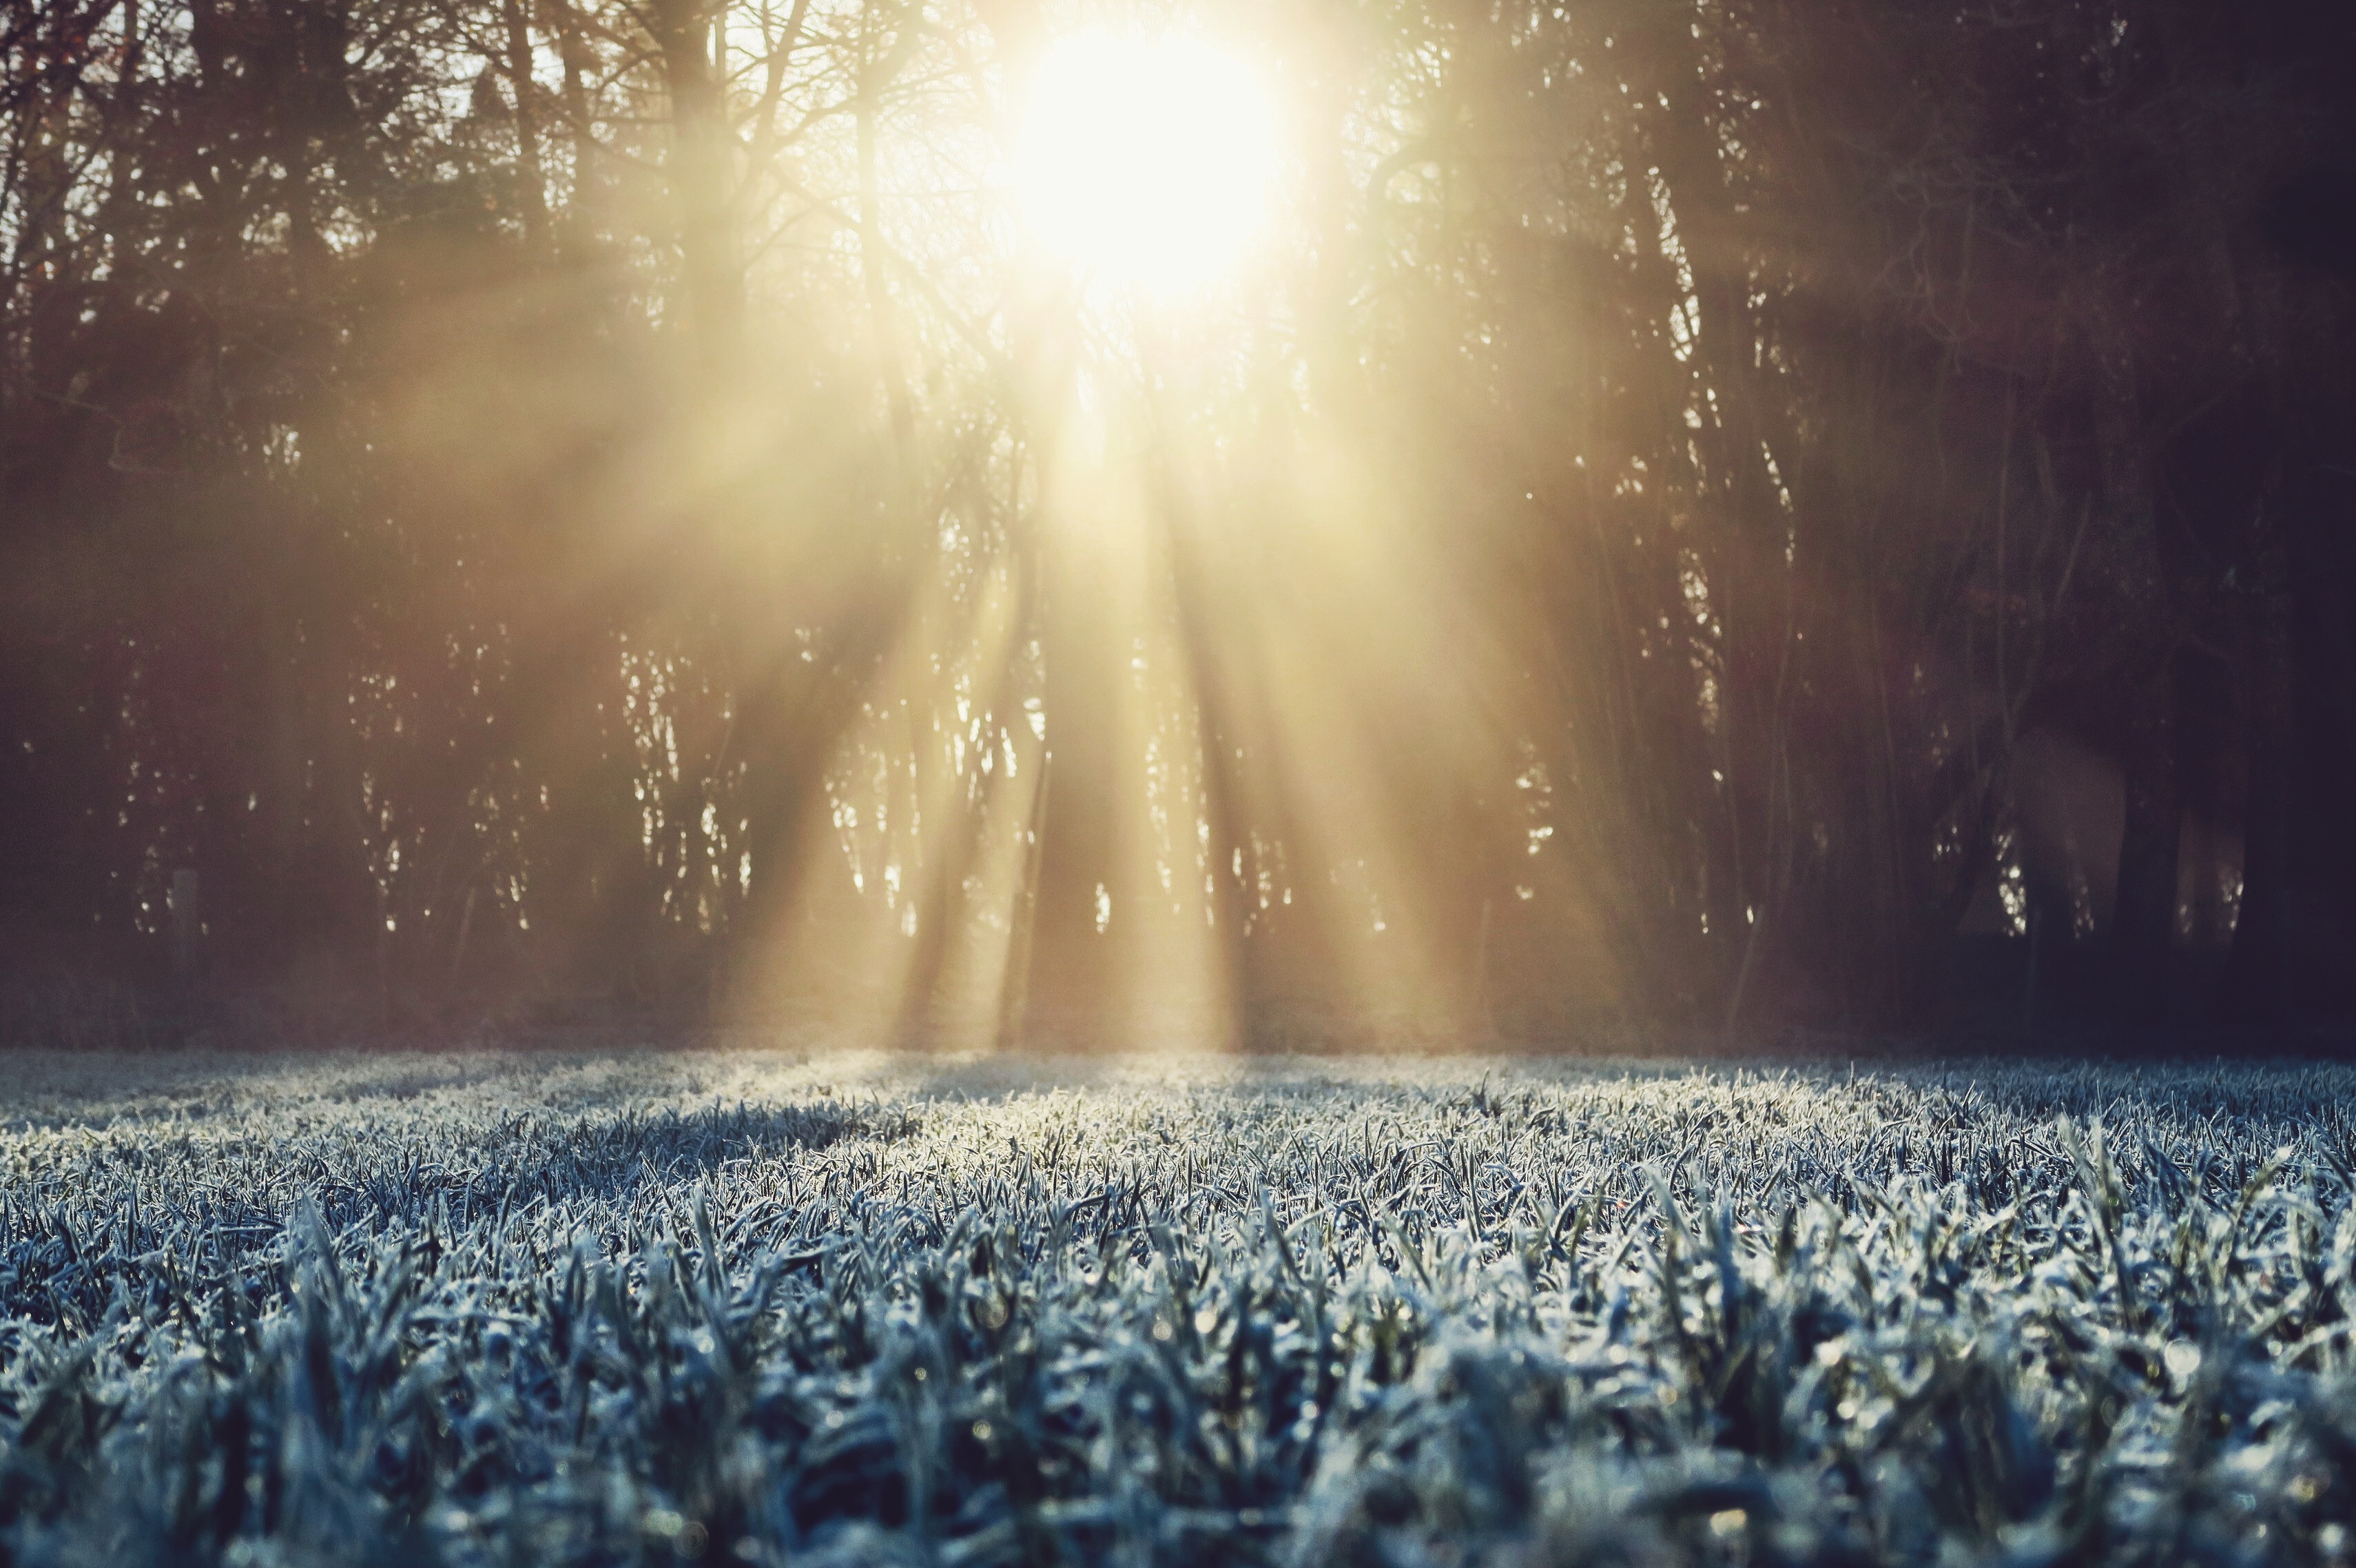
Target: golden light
[(1146, 162)]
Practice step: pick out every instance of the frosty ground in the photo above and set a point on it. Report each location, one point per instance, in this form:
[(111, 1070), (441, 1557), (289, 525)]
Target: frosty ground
[(749, 1307)]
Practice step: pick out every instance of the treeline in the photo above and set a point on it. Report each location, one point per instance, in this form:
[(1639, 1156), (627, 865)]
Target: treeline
[(1695, 507)]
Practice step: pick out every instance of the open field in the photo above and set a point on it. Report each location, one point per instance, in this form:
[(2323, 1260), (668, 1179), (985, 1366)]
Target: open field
[(741, 1308)]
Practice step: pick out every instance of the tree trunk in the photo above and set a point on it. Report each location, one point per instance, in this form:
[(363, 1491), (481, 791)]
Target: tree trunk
[(526, 126), (2143, 922), (2258, 974), (702, 178)]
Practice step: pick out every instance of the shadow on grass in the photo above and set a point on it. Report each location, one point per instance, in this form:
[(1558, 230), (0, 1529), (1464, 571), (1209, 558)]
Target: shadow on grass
[(531, 1163)]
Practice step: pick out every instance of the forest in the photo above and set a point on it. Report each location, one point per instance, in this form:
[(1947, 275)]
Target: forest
[(1731, 513)]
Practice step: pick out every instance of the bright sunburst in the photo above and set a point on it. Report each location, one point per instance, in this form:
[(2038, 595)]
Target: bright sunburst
[(1145, 161)]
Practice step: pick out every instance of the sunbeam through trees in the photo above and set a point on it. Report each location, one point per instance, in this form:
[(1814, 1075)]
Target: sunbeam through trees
[(995, 519)]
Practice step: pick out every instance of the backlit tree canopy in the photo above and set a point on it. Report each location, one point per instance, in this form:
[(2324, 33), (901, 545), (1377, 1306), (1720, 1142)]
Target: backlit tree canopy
[(1661, 509)]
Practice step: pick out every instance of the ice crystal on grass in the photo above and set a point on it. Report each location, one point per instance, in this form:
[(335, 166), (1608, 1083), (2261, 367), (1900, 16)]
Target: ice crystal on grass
[(653, 1309)]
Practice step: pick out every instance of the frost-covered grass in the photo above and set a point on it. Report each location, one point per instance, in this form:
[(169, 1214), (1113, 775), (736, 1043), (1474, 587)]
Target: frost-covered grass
[(865, 1310)]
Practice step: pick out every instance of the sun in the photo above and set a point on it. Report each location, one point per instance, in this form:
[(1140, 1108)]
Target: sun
[(1145, 162)]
